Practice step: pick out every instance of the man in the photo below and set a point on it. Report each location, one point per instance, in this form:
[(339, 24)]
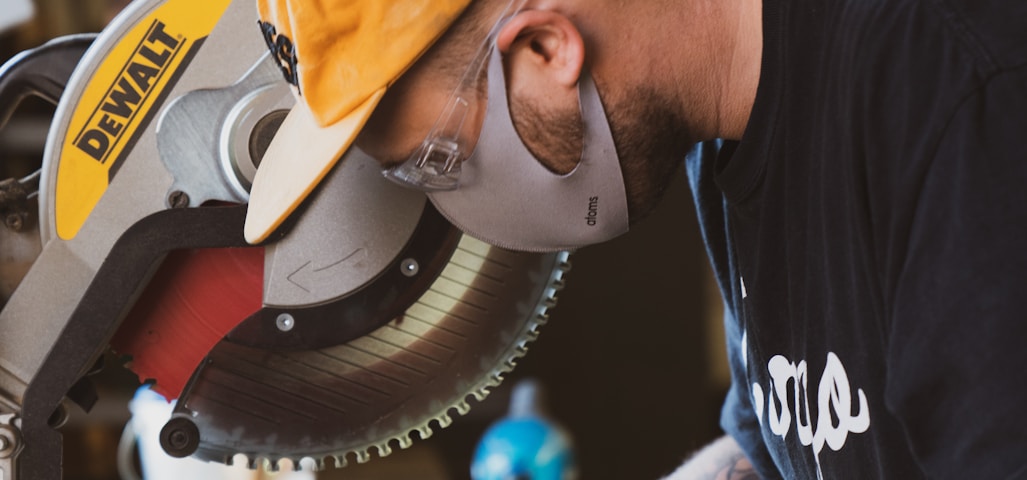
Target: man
[(865, 215)]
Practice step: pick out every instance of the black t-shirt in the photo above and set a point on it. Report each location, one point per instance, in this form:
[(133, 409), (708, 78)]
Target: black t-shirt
[(870, 236)]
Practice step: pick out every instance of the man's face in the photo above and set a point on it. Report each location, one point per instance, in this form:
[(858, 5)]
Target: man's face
[(414, 104), (646, 133), (403, 119)]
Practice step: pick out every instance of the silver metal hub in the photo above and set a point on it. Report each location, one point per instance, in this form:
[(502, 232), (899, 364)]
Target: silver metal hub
[(204, 136)]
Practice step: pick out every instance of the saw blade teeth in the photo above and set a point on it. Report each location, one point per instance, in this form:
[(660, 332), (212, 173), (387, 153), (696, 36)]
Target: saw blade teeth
[(425, 432), (252, 462), (340, 460), (480, 394), (384, 450), (363, 456), (444, 420), (404, 442), (463, 408)]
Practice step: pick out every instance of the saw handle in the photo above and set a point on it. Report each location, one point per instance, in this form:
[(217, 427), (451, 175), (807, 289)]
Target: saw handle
[(43, 72)]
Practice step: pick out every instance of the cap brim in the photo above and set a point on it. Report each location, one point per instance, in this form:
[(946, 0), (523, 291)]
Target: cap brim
[(299, 156)]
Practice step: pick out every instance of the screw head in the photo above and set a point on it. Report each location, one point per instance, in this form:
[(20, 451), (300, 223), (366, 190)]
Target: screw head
[(14, 222), (409, 267), (178, 199), (180, 437), (285, 322)]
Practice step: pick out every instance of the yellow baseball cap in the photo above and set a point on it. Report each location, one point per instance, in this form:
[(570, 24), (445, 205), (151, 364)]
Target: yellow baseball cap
[(340, 57)]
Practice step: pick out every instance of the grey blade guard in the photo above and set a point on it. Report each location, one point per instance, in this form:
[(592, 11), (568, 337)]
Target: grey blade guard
[(509, 199)]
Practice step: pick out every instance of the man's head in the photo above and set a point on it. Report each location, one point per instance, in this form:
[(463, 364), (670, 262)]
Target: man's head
[(545, 48), (631, 49)]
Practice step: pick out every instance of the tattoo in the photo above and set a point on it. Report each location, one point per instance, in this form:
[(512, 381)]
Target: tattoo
[(741, 470), (721, 460)]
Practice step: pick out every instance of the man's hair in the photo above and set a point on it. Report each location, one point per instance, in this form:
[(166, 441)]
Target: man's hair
[(450, 56)]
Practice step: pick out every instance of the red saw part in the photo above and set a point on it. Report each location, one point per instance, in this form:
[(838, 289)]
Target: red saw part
[(194, 299)]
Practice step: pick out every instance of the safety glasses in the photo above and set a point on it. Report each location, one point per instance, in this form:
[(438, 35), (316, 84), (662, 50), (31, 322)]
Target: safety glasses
[(435, 165)]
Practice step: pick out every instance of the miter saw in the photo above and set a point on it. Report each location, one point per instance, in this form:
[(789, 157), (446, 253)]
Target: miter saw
[(365, 318)]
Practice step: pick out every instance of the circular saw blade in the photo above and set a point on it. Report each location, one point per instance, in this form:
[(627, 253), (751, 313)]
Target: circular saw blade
[(456, 341), (194, 299)]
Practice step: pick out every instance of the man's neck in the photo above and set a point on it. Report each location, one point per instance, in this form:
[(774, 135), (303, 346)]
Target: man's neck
[(741, 71), (703, 55)]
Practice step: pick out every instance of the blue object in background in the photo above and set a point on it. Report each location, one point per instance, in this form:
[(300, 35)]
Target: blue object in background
[(525, 445)]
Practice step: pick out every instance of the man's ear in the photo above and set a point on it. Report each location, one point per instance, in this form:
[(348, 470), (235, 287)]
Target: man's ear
[(544, 43)]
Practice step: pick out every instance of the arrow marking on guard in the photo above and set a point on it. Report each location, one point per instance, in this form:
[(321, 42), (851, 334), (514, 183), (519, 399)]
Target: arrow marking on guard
[(308, 275)]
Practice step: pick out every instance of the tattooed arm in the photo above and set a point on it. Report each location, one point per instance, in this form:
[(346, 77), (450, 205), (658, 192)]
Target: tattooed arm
[(721, 460)]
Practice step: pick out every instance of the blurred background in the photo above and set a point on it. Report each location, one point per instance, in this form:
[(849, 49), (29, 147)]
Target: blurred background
[(633, 358)]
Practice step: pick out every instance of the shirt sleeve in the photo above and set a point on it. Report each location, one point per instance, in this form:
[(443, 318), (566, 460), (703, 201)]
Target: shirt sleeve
[(957, 357), (737, 416)]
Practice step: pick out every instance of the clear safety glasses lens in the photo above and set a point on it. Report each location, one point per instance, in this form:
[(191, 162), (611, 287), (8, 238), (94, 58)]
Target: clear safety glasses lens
[(435, 165)]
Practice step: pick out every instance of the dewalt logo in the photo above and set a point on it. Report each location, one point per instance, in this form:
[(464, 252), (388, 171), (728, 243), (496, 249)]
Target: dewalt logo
[(113, 120), (124, 94)]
